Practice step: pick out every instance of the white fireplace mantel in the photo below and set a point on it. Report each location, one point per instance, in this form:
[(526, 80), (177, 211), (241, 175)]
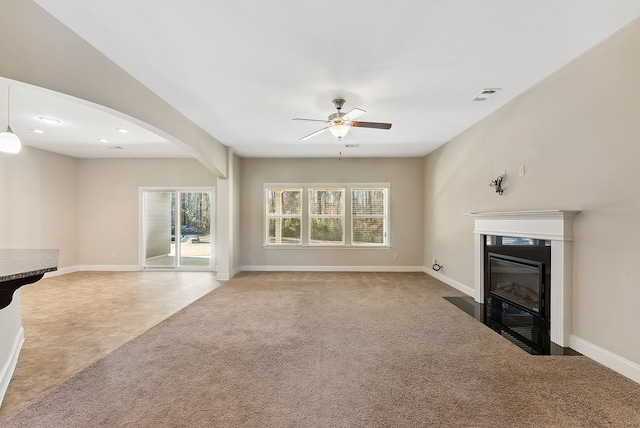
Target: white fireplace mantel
[(553, 225)]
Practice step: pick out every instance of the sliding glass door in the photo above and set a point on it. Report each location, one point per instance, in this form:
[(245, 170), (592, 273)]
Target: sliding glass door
[(177, 228)]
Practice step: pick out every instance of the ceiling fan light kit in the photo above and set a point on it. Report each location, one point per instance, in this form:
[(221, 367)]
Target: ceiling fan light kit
[(339, 131), (340, 123)]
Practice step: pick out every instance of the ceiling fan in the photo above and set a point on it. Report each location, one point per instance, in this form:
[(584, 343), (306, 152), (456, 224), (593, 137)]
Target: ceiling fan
[(340, 123)]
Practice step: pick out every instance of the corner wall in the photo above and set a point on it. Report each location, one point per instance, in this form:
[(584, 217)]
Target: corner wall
[(236, 211), (578, 135)]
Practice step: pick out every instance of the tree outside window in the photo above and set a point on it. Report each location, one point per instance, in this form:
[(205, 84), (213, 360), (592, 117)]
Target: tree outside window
[(326, 216), (284, 212), (368, 215)]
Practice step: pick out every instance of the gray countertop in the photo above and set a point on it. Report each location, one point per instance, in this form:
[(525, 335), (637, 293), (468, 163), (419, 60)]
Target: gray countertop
[(16, 264)]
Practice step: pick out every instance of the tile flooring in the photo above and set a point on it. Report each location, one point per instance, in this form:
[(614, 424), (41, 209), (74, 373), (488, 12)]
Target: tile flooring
[(72, 320)]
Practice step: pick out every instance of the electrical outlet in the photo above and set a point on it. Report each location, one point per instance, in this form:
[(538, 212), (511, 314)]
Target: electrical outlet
[(521, 170), (113, 255), (395, 257)]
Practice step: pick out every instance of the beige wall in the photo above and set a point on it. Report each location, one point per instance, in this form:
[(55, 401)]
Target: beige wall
[(578, 135), (108, 202), (406, 209), (38, 196)]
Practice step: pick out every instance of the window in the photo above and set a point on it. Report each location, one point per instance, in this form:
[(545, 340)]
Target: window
[(326, 216), (368, 216), (351, 215), (284, 215)]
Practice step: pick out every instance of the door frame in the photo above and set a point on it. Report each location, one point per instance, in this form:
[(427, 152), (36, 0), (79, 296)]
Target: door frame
[(142, 224)]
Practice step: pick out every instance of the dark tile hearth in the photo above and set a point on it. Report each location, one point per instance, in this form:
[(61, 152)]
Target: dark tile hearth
[(478, 311)]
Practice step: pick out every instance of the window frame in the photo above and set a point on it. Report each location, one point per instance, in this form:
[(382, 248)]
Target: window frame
[(384, 217), (305, 217), (311, 216), (268, 216)]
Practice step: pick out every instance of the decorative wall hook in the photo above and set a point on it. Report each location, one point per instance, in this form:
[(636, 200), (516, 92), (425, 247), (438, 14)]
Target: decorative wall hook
[(497, 183)]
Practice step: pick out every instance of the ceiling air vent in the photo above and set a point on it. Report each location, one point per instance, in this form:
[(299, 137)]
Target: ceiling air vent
[(352, 145), (485, 94)]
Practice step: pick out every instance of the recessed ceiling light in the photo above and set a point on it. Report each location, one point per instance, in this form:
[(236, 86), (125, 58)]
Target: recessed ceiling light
[(122, 130), (49, 119), (38, 131), (485, 94), (103, 140)]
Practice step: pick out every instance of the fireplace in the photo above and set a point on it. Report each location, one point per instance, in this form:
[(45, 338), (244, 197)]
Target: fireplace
[(516, 298), (552, 230)]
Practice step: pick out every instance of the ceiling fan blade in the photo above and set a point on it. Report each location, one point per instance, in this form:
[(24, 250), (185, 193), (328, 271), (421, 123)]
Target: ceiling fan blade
[(313, 134), (311, 120), (377, 125), (356, 112)]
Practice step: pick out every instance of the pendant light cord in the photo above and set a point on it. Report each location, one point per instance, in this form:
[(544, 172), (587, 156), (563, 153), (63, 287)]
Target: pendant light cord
[(9, 107)]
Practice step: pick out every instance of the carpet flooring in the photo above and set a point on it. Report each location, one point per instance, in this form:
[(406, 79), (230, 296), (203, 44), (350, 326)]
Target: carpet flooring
[(332, 350)]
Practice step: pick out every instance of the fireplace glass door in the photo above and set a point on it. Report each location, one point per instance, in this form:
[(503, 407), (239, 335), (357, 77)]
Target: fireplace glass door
[(517, 281)]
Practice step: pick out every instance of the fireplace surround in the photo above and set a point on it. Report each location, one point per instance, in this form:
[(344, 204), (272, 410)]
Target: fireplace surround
[(551, 225)]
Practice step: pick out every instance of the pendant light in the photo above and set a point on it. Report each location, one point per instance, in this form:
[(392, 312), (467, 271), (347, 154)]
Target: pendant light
[(9, 142)]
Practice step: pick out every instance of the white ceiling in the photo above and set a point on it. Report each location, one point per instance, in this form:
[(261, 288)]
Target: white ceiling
[(82, 125), (242, 70)]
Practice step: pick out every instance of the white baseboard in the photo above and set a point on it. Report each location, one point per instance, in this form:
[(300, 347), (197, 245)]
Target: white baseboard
[(109, 268), (451, 282), (228, 276), (296, 268), (606, 358), (7, 370), (236, 271)]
